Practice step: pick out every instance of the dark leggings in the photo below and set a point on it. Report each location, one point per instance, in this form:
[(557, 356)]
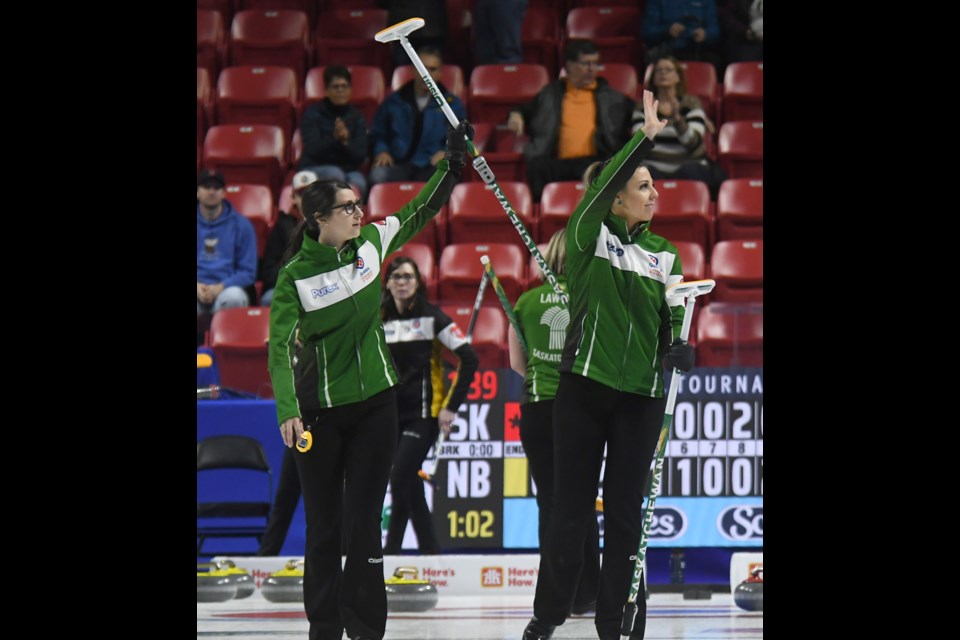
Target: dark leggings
[(588, 415), (536, 434), (345, 473), (407, 490), (284, 506)]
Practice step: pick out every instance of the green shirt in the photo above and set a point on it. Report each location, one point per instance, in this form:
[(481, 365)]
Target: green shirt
[(543, 319), (333, 296), (620, 322)]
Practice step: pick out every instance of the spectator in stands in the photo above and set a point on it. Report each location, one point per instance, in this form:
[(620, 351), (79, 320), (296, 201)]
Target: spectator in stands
[(335, 133), (543, 321), (681, 151), (741, 27), (226, 248), (573, 121), (409, 129), (496, 30), (416, 332), (684, 29), (280, 238)]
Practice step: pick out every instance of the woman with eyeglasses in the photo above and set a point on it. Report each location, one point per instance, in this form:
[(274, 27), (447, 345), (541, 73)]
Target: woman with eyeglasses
[(416, 332), (335, 399)]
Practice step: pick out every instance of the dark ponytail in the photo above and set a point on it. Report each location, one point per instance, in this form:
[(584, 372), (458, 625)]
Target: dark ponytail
[(316, 204)]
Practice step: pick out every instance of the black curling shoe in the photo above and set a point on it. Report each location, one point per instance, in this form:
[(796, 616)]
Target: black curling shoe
[(537, 630)]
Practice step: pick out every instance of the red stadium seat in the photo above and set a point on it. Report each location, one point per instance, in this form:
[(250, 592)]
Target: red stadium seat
[(296, 150), (557, 202), (366, 85), (308, 7), (279, 38), (615, 31), (258, 95), (476, 214), (740, 209), (503, 151), (460, 270), (424, 257), (701, 81), (211, 41), (621, 76), (205, 111), (496, 88), (386, 198), (730, 335), (451, 76), (737, 266), (345, 36), (489, 333), (224, 7), (743, 91), (740, 147), (255, 154), (239, 337), (682, 212), (692, 259), (540, 38), (255, 202)]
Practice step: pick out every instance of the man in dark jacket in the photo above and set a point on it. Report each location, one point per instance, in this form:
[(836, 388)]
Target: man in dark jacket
[(573, 121)]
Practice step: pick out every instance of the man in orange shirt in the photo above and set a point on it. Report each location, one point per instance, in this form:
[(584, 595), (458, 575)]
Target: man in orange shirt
[(573, 121)]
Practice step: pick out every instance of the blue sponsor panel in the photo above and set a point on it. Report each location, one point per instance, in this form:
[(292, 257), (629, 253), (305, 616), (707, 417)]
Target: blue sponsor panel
[(677, 522)]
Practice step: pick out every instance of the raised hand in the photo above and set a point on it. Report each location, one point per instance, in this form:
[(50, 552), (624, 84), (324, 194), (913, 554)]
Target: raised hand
[(652, 125)]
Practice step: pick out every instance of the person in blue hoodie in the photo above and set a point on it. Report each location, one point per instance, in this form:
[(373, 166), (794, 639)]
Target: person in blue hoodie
[(226, 248), (409, 129)]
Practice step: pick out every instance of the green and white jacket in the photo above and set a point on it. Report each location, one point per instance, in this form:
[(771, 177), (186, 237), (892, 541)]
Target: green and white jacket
[(334, 298), (620, 323)]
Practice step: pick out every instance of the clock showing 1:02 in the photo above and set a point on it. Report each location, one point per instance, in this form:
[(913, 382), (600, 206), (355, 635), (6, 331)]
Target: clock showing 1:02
[(471, 524)]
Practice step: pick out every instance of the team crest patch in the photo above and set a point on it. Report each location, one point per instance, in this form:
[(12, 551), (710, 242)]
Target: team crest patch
[(654, 260), (359, 263)]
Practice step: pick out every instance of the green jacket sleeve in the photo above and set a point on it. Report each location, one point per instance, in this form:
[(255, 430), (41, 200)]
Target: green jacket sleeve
[(584, 224), (284, 317)]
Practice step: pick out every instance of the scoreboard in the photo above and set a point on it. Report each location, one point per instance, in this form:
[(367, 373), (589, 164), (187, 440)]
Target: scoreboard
[(711, 492)]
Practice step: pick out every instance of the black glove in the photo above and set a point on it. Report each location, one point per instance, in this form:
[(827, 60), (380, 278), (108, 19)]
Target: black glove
[(679, 355), (457, 146)]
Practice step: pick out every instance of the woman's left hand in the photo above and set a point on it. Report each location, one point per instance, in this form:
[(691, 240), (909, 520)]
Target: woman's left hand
[(445, 419)]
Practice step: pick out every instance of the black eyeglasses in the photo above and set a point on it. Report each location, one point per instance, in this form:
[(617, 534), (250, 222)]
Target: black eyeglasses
[(402, 276), (348, 208)]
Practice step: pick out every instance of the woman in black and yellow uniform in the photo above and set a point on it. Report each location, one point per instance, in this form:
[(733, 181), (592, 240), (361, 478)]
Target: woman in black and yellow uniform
[(416, 332), (610, 394), (336, 402), (543, 320)]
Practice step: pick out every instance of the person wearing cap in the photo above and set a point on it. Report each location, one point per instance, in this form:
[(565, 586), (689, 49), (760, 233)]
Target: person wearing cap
[(334, 133), (334, 394), (226, 248), (280, 238)]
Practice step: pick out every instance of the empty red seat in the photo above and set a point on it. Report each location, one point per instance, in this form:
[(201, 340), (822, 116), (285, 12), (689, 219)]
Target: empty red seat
[(255, 154), (503, 151), (692, 259), (740, 148), (740, 209), (258, 95), (489, 338), (345, 36), (386, 198), (460, 270), (476, 215), (682, 212), (497, 88), (366, 88), (451, 77), (239, 337), (540, 38), (426, 262), (309, 7), (730, 335), (255, 202), (211, 41), (743, 91), (274, 37), (205, 111), (737, 266), (557, 202), (615, 31)]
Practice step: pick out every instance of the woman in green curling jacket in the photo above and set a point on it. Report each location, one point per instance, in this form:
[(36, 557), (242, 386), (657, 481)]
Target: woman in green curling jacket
[(334, 394), (610, 392)]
